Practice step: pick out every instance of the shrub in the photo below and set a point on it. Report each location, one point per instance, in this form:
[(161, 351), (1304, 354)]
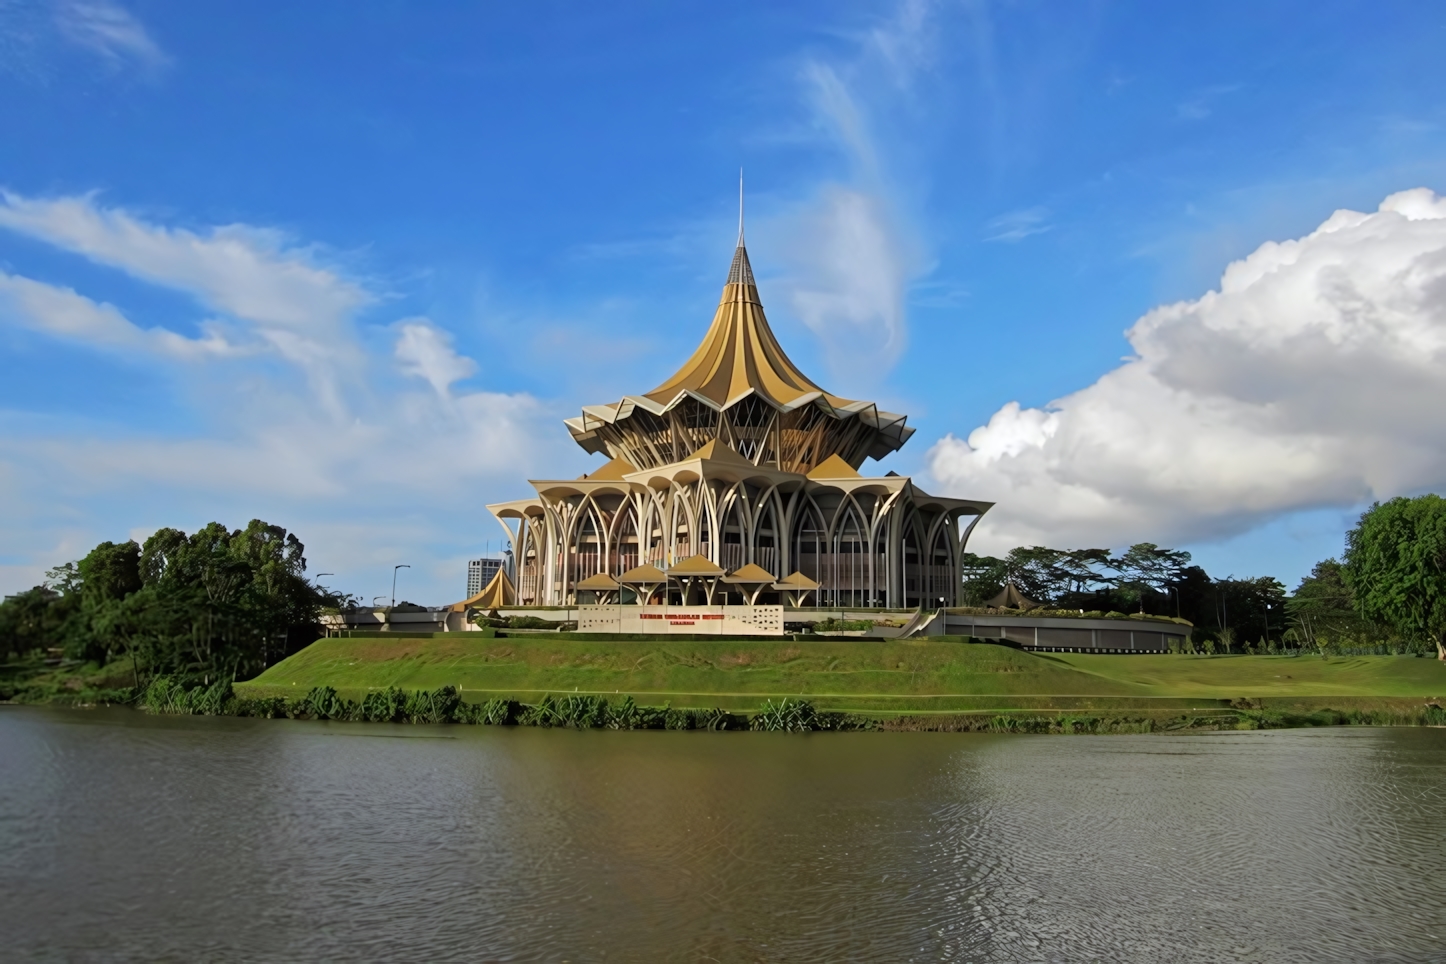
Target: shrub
[(437, 706), (494, 712), (384, 706), (267, 707), (788, 716), (677, 719), (168, 694), (717, 719), (321, 703), (832, 625)]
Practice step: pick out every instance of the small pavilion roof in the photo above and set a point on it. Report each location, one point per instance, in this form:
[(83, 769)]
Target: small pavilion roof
[(834, 467), (601, 581), (611, 471), (796, 582), (750, 575), (1011, 598), (719, 452), (494, 595), (699, 565), (642, 575)]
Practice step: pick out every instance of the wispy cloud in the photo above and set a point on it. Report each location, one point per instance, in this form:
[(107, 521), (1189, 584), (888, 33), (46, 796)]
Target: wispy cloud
[(905, 43), (852, 273), (353, 440), (279, 291), (426, 351), (1018, 225), (63, 313), (852, 251), (1202, 105), (111, 31), (256, 274)]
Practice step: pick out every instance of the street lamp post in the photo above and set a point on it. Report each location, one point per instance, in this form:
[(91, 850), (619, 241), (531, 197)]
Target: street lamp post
[(394, 582), (317, 577)]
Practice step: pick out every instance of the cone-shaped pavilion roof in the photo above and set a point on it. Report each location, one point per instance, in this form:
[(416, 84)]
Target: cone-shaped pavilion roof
[(1011, 598), (643, 575), (494, 595), (795, 580), (697, 565), (749, 575), (602, 582)]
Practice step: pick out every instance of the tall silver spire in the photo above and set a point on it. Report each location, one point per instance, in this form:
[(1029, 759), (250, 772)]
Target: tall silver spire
[(740, 272), (740, 207)]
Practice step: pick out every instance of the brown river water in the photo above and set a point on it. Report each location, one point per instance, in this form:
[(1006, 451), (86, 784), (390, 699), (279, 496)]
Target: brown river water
[(130, 837)]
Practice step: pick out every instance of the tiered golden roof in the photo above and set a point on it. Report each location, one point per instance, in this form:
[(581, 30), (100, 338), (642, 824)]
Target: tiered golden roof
[(740, 386), (740, 354)]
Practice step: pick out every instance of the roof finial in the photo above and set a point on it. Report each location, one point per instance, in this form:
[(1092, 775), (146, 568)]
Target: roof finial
[(740, 207), (741, 272)]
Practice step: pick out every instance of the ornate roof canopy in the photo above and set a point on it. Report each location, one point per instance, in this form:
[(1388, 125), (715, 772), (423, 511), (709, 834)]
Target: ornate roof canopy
[(740, 387)]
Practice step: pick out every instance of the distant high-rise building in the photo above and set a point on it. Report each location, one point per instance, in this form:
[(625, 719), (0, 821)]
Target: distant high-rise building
[(480, 573)]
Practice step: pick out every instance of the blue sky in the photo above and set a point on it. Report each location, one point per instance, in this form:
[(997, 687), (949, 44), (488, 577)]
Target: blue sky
[(345, 266)]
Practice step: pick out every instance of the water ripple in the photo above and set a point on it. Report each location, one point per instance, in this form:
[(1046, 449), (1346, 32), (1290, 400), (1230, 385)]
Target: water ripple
[(126, 837)]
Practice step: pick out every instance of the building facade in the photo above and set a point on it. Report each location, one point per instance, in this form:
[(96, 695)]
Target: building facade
[(741, 459), (480, 573)]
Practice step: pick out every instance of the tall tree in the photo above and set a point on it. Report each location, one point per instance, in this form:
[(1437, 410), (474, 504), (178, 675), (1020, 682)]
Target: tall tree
[(1323, 608), (1037, 571), (983, 578), (1146, 568), (1395, 566)]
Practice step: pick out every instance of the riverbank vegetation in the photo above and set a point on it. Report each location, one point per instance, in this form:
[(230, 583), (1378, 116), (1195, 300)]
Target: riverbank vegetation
[(792, 715), (445, 705)]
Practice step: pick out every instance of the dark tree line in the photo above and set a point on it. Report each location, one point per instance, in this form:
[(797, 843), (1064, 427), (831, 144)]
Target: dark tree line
[(1387, 594), (1143, 579), (214, 603)]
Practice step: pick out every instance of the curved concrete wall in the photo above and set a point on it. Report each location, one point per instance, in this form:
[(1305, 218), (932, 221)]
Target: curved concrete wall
[(1078, 635)]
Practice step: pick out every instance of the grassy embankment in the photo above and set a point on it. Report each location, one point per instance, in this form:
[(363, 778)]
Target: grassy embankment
[(907, 678)]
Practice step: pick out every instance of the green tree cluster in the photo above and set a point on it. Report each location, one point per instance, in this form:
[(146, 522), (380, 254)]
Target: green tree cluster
[(1395, 567), (214, 603), (1387, 595)]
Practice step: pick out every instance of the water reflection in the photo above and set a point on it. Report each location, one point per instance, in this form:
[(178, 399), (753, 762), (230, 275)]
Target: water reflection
[(125, 836)]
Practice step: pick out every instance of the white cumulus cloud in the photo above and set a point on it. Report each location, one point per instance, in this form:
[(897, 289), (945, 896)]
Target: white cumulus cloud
[(1313, 377)]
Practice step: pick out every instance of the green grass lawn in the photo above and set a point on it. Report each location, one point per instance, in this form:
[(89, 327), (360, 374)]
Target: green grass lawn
[(905, 676)]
